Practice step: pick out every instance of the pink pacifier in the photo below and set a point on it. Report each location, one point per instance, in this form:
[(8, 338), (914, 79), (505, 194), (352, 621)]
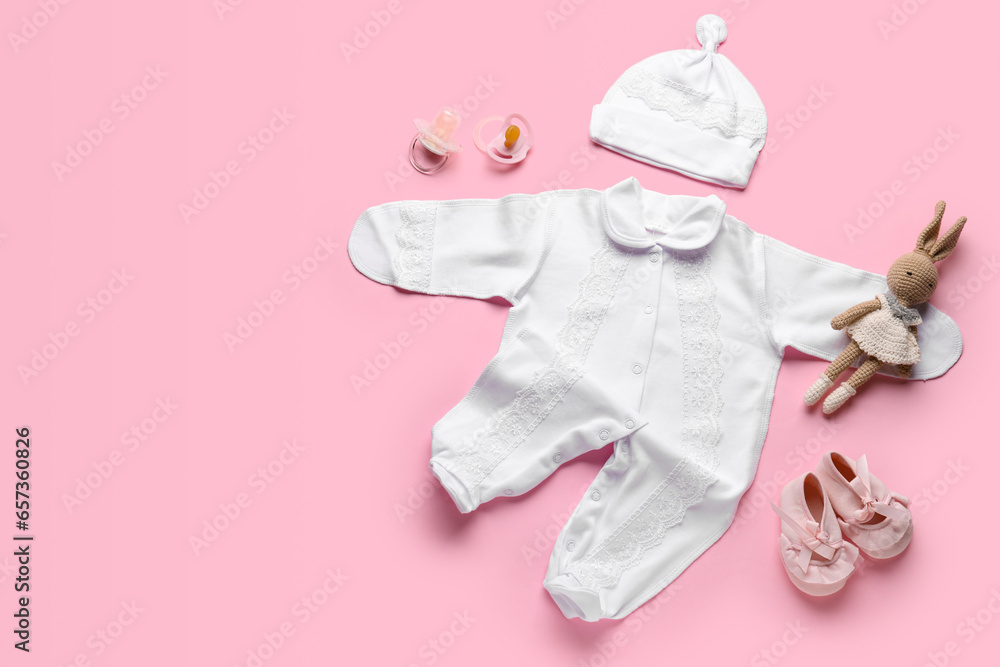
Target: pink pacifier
[(437, 138), (512, 144)]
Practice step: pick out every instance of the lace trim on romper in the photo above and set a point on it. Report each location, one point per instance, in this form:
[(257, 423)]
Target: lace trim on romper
[(533, 403), (701, 430), (687, 104), (415, 237)]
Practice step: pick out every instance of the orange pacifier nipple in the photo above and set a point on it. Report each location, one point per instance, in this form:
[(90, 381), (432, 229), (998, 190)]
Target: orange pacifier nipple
[(511, 136), (513, 142)]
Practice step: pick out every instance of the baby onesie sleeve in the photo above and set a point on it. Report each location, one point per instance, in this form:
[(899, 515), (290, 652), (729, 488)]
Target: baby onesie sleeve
[(479, 248), (803, 292)]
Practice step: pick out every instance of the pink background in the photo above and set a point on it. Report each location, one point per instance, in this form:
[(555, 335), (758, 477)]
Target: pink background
[(406, 577)]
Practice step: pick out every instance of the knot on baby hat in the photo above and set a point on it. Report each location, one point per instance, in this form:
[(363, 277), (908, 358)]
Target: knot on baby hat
[(688, 111), (711, 31)]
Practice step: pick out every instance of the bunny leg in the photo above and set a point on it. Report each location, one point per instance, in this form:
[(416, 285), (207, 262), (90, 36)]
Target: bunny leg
[(836, 367), (865, 372), (847, 389), (843, 361)]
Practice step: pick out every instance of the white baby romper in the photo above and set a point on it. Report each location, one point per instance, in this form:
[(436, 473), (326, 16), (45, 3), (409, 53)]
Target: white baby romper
[(653, 322)]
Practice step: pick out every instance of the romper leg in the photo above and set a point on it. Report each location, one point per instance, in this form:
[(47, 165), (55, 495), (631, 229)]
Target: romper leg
[(547, 416), (651, 511)]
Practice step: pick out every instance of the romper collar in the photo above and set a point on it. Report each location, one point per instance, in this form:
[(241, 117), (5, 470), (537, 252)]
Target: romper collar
[(640, 218)]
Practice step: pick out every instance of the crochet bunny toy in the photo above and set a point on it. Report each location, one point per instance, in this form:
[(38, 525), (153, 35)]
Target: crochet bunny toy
[(885, 328)]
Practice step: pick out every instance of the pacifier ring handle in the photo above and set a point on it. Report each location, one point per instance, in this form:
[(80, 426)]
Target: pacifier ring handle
[(477, 134), (429, 169)]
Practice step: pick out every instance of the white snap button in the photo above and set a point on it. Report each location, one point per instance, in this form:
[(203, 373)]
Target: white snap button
[(570, 545), (647, 310), (654, 257), (508, 492), (624, 447), (637, 369), (604, 434), (596, 495), (558, 457), (629, 423)]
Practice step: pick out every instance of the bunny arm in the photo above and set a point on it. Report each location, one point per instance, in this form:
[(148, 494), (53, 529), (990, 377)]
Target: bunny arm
[(855, 312)]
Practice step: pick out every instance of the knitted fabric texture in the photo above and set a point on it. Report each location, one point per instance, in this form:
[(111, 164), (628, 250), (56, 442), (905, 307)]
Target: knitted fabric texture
[(885, 335), (838, 397), (910, 316), (817, 390)]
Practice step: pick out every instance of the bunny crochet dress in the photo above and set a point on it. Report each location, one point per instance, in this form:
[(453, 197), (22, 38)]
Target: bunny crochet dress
[(885, 333), (652, 323)]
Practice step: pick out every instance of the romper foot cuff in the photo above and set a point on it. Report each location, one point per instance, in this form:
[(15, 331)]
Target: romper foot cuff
[(575, 601), (454, 486)]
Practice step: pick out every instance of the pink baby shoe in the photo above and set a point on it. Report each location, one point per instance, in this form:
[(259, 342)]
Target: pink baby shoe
[(817, 559), (871, 516)]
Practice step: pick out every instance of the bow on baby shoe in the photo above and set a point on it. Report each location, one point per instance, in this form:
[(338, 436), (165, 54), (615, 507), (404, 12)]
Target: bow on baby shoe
[(812, 539), (862, 486)]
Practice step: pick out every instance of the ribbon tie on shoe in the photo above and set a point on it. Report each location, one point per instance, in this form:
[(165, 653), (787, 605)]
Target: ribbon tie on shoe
[(862, 486), (812, 540)]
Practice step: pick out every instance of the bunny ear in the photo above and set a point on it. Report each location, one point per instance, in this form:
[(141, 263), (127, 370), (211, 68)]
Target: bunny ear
[(943, 247), (927, 237)]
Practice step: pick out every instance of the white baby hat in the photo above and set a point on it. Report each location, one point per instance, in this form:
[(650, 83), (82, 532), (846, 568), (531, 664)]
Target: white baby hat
[(689, 111)]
